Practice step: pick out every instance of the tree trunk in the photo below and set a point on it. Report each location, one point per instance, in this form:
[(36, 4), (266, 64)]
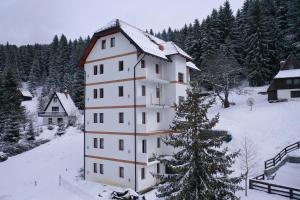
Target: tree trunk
[(226, 100)]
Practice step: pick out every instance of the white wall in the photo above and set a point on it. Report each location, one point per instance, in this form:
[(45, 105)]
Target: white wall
[(286, 94)]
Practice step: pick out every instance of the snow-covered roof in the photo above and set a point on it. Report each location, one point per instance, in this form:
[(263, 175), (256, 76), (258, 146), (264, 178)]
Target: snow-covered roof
[(192, 66), (26, 93), (292, 73), (147, 42), (67, 103)]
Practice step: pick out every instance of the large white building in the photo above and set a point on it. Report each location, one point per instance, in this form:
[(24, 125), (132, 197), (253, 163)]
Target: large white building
[(132, 80)]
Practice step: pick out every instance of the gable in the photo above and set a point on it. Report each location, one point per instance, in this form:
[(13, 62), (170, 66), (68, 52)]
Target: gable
[(51, 104)]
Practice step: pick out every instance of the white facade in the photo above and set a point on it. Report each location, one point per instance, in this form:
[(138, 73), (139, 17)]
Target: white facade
[(286, 94), (110, 131)]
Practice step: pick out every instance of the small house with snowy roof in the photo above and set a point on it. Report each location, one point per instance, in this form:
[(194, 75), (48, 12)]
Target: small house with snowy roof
[(286, 84), (26, 95), (59, 110)]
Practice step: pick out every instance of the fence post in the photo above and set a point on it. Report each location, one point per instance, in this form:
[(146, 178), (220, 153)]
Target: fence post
[(273, 162), (291, 193), (269, 188), (250, 184)]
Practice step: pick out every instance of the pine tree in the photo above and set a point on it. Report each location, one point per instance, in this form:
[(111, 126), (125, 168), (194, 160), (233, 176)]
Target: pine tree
[(200, 168), (12, 113), (36, 73), (31, 132)]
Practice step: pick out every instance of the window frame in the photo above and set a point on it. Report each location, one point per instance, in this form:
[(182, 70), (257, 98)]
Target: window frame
[(157, 68), (121, 91), (158, 171), (50, 120), (158, 117), (103, 44), (112, 42), (101, 93), (95, 168), (121, 117), (95, 143), (95, 93), (158, 142), (101, 143), (143, 173), (95, 69), (101, 69), (144, 146), (95, 118), (143, 64), (121, 65), (157, 92), (143, 117), (101, 118), (101, 168), (295, 94), (143, 90), (55, 110), (180, 77), (121, 172), (121, 145), (289, 82)]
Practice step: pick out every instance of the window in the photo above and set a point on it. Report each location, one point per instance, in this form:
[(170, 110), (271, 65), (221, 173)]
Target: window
[(101, 70), (95, 118), (295, 94), (296, 81), (49, 120), (103, 44), (180, 99), (112, 42), (121, 65), (143, 90), (101, 171), (158, 168), (95, 93), (121, 145), (158, 142), (95, 143), (143, 64), (59, 120), (95, 167), (95, 69), (143, 173), (121, 91), (101, 145), (180, 77), (143, 117), (55, 99), (289, 82), (157, 68), (101, 118), (144, 146), (158, 117), (101, 93), (121, 117), (55, 109), (121, 172), (157, 92)]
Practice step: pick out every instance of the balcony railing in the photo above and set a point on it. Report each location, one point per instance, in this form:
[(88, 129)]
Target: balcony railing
[(52, 114), (151, 76)]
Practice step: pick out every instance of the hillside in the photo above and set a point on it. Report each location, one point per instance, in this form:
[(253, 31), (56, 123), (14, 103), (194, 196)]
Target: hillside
[(269, 126)]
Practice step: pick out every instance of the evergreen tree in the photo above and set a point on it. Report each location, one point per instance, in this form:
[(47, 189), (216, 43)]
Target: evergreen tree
[(31, 131), (200, 168), (12, 113)]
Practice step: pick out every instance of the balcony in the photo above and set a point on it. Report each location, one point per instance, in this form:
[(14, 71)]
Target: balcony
[(52, 114), (152, 102), (152, 77), (146, 158)]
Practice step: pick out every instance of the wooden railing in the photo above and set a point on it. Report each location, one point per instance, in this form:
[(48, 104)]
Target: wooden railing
[(274, 161), (292, 193)]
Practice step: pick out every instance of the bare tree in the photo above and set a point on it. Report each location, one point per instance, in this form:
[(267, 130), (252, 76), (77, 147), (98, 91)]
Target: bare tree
[(247, 159), (222, 72), (250, 102)]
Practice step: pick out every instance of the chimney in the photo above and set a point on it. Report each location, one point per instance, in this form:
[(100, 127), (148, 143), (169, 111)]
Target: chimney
[(282, 63), (161, 47), (66, 93)]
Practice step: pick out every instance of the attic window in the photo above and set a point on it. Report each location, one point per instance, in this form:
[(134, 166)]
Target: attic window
[(103, 44), (54, 99), (112, 42)]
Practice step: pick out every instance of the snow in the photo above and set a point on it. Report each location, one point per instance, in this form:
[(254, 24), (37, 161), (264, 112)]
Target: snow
[(26, 93), (271, 127), (287, 175), (147, 42), (292, 73), (67, 103), (192, 66)]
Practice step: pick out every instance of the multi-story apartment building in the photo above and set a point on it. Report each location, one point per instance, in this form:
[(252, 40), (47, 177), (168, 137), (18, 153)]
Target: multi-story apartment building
[(132, 80)]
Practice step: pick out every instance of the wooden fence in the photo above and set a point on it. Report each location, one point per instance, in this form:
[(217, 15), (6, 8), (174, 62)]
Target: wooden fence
[(275, 160), (292, 193)]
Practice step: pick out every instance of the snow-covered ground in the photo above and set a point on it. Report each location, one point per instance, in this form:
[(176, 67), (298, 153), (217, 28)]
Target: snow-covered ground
[(34, 175)]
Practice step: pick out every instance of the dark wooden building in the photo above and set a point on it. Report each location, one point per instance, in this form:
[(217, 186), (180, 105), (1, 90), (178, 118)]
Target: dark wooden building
[(286, 84)]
